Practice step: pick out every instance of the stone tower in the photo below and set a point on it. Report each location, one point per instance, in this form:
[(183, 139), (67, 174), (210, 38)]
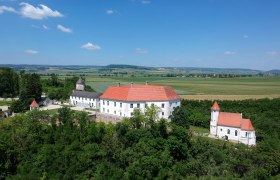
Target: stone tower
[(215, 111), (80, 85)]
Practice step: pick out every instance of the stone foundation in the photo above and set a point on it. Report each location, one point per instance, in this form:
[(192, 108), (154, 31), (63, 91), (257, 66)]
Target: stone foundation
[(107, 118)]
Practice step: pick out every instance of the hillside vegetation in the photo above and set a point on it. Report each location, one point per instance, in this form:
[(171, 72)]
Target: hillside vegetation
[(33, 146)]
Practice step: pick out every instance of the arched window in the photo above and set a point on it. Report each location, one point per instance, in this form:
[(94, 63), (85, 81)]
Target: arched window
[(235, 132), (228, 131)]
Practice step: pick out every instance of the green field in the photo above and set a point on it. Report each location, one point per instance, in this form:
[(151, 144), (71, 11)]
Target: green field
[(255, 86)]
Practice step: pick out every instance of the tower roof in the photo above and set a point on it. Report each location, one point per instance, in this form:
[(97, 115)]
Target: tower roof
[(34, 104), (140, 93), (80, 81), (216, 107)]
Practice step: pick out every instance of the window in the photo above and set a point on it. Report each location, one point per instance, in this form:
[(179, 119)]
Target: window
[(138, 105), (162, 105), (103, 102), (103, 109), (131, 114), (146, 105), (235, 132), (228, 131), (221, 129), (107, 110), (246, 134), (115, 104), (120, 113), (120, 104), (162, 113), (107, 103), (115, 112), (131, 105)]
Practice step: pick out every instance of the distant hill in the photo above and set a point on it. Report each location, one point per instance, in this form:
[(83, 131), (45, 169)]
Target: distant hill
[(124, 66), (217, 70), (190, 70), (274, 71)]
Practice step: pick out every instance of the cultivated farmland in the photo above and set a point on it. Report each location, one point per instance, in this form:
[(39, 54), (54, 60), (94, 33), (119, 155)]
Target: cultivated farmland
[(203, 88)]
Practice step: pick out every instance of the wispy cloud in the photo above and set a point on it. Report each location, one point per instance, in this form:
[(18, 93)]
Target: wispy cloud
[(145, 2), (31, 51), (45, 27), (90, 46), (110, 11), (64, 29), (272, 53), (245, 36), (229, 52), (6, 8), (141, 51), (40, 12)]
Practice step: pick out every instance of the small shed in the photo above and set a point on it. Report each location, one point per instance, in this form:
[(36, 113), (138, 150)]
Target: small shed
[(34, 105)]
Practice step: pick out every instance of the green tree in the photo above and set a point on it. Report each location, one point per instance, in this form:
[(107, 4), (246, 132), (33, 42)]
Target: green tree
[(180, 117)]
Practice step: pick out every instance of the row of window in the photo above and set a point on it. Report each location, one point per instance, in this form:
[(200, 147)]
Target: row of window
[(115, 112), (235, 132), (82, 98)]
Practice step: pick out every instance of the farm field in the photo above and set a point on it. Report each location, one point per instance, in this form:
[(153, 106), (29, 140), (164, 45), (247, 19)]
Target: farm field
[(202, 88)]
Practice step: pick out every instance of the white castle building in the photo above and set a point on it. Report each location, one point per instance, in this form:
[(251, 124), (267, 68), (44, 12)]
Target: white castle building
[(82, 98), (231, 126), (120, 101)]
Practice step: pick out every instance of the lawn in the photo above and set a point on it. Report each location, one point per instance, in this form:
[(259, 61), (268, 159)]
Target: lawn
[(198, 129), (5, 103)]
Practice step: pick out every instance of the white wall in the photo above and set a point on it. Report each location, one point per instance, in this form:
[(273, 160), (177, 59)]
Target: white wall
[(241, 137), (213, 122), (248, 137), (84, 102), (114, 108), (222, 131)]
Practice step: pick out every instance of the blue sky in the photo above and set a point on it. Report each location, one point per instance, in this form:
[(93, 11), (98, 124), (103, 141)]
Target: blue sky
[(191, 33)]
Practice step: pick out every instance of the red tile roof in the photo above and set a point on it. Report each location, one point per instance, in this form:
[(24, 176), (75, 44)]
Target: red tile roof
[(34, 104), (216, 107), (140, 93), (235, 120), (230, 119), (247, 125)]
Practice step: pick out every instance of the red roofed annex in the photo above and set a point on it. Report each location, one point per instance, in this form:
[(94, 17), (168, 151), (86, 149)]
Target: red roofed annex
[(231, 126)]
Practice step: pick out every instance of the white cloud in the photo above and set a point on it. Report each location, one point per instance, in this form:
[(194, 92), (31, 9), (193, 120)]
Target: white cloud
[(229, 53), (45, 27), (31, 51), (245, 36), (40, 12), (90, 46), (64, 29), (146, 2), (6, 8), (272, 53), (141, 51), (110, 11)]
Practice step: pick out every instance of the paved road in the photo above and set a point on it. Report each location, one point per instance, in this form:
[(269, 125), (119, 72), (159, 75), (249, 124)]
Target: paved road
[(52, 106), (8, 99), (4, 108)]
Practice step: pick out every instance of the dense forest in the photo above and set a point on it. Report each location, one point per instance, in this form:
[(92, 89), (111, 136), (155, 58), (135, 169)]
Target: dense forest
[(68, 145)]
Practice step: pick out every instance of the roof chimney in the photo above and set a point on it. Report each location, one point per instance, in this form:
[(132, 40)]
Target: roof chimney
[(147, 83), (131, 84)]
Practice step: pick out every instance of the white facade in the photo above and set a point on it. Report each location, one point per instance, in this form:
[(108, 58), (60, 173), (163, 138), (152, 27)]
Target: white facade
[(230, 133), (84, 102), (125, 108)]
